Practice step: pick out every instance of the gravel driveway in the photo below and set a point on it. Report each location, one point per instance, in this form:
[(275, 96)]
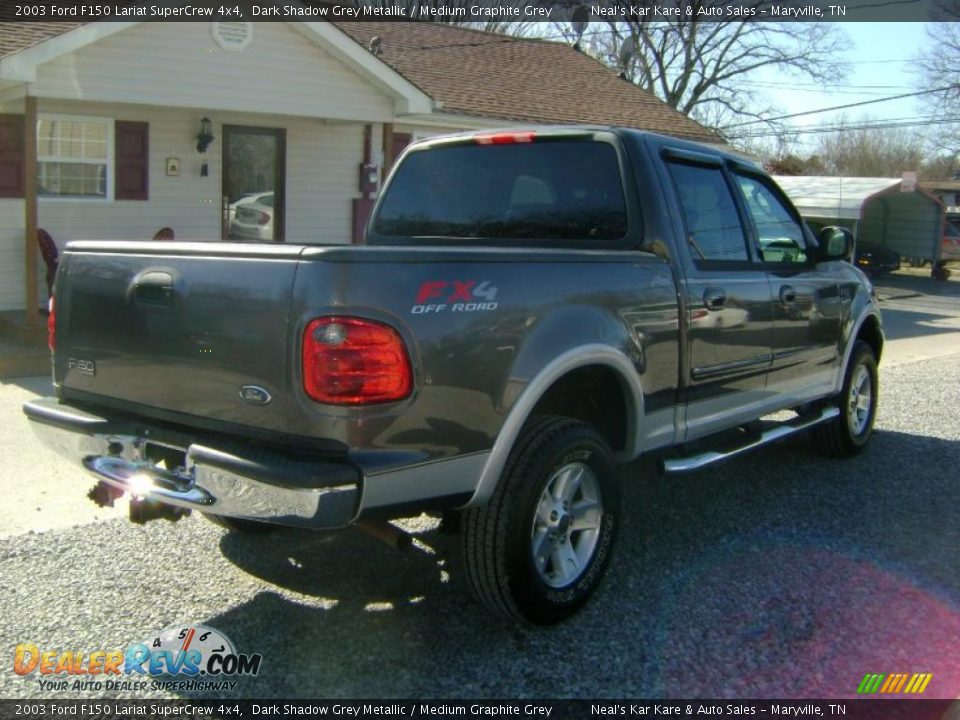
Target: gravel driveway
[(779, 574)]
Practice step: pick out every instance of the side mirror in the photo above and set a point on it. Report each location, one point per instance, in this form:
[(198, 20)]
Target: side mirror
[(836, 243)]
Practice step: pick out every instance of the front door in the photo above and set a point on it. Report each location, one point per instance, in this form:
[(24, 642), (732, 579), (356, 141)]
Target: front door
[(806, 339), (728, 301), (253, 183)]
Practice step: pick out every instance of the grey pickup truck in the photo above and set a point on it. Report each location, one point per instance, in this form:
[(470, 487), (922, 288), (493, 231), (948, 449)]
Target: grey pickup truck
[(530, 309)]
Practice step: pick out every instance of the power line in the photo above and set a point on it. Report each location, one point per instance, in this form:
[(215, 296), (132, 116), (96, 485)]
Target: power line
[(837, 91), (822, 129), (841, 107), (817, 86)]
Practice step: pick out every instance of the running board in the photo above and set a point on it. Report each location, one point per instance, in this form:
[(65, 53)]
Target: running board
[(695, 462)]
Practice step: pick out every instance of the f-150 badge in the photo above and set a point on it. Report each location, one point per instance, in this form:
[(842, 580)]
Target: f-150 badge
[(84, 367), (454, 296)]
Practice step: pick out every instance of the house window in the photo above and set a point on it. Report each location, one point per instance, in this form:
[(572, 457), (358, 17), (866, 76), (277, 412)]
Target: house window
[(74, 157)]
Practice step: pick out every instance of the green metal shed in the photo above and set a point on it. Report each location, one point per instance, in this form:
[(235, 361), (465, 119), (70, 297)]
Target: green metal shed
[(894, 213)]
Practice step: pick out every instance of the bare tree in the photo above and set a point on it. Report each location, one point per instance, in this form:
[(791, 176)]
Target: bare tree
[(703, 66), (940, 73), (860, 149)]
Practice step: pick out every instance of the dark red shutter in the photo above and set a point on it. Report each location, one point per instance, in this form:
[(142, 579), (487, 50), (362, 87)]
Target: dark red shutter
[(12, 160), (132, 148), (400, 141)]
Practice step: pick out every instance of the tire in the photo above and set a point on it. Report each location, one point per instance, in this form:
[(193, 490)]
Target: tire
[(252, 527), (849, 432), (556, 465)]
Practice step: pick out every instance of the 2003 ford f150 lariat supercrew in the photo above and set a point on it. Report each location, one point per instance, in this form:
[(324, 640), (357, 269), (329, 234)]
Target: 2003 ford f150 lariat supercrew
[(531, 307)]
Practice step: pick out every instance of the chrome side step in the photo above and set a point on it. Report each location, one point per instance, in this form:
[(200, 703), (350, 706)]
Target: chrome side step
[(695, 462)]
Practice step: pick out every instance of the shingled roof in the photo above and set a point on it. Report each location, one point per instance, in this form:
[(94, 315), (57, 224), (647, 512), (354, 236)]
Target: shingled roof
[(16, 36), (475, 73), (520, 79)]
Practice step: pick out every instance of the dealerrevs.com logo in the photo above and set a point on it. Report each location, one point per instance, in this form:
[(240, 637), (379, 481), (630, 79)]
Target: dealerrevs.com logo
[(193, 657)]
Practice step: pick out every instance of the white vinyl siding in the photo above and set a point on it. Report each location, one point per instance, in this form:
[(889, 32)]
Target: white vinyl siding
[(181, 65), (11, 255), (170, 75), (322, 160)]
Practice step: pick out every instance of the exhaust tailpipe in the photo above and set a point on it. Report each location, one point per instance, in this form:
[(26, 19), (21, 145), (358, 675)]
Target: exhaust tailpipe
[(386, 533)]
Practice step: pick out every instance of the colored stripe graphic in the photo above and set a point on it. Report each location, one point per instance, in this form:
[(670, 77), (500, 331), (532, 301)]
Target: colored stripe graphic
[(903, 679), (912, 683), (870, 683), (893, 680), (918, 683)]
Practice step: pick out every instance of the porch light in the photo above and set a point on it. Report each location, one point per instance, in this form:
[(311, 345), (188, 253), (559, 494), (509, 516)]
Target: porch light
[(206, 135)]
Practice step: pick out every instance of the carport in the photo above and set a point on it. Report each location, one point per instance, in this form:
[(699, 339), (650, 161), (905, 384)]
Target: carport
[(881, 211)]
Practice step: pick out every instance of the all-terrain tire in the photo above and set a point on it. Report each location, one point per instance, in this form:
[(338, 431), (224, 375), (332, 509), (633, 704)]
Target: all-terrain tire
[(539, 548), (849, 432)]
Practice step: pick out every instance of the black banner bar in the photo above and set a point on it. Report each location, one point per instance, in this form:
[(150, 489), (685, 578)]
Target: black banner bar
[(899, 709), (468, 10)]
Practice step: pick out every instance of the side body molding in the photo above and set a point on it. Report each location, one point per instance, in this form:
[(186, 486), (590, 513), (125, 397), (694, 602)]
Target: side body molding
[(592, 354)]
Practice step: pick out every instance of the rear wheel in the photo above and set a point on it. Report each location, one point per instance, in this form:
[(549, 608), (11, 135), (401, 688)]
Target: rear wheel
[(539, 549), (849, 432), (243, 525)]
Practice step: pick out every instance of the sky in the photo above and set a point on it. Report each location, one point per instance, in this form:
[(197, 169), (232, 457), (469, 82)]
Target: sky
[(882, 57)]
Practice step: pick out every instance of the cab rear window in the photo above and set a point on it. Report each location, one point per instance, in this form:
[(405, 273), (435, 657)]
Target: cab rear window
[(563, 190)]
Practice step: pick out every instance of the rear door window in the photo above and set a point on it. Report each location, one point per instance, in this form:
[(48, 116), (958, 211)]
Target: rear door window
[(544, 190)]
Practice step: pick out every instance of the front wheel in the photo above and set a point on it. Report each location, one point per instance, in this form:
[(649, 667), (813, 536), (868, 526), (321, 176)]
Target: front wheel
[(849, 432), (539, 549)]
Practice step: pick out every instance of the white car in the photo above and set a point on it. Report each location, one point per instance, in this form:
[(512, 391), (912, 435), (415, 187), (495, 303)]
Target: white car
[(251, 217)]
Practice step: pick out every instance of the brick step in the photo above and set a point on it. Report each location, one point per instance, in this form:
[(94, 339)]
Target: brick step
[(24, 365), (23, 349), (14, 325)]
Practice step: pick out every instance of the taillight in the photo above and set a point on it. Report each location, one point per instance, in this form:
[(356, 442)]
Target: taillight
[(354, 361), (51, 327), (504, 138), (262, 217)]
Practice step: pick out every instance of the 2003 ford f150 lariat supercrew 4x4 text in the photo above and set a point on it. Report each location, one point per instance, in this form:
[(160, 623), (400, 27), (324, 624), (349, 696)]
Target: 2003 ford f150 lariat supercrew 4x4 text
[(531, 307)]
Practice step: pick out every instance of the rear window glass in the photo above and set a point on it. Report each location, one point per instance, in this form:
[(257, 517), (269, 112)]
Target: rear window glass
[(524, 191)]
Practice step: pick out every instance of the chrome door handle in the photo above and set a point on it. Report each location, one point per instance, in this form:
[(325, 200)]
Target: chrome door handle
[(714, 298)]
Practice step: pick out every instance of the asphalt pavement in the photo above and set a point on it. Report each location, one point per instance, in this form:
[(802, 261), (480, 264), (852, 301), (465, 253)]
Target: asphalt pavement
[(779, 574)]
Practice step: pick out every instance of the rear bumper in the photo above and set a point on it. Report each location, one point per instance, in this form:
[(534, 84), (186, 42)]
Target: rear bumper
[(244, 483)]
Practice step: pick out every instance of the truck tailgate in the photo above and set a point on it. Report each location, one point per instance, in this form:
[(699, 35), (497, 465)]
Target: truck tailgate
[(199, 329)]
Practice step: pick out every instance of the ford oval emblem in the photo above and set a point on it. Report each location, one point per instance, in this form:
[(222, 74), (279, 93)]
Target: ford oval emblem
[(255, 395)]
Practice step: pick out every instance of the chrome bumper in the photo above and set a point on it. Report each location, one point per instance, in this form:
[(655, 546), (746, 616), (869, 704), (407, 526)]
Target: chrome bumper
[(255, 485)]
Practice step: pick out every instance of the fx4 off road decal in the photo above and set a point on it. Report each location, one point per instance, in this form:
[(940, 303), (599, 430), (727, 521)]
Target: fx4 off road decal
[(437, 296)]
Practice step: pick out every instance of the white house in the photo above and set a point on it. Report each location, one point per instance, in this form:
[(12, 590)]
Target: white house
[(99, 124)]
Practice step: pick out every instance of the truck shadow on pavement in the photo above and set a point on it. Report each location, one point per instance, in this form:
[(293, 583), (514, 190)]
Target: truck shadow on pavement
[(781, 574)]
